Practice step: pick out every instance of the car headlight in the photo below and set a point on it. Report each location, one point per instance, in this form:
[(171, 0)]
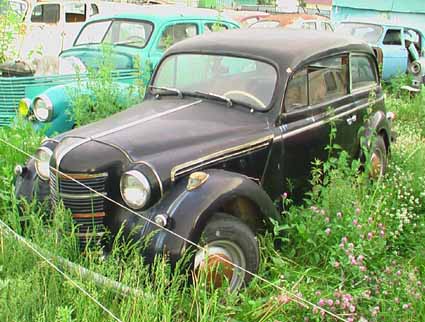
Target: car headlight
[(42, 162), (43, 108), (135, 189)]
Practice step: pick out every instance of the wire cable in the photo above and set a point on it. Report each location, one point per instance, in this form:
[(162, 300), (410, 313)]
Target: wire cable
[(8, 229)]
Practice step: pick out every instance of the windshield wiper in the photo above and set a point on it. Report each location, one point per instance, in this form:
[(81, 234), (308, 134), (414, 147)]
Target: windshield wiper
[(228, 101), (167, 89)]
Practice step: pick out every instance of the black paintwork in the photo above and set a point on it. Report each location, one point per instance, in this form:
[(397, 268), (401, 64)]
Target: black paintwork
[(159, 134)]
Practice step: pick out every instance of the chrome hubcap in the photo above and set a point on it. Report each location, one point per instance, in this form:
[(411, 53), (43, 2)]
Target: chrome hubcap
[(216, 261)]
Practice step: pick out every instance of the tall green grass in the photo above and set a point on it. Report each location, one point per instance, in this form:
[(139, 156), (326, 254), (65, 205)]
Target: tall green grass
[(354, 247)]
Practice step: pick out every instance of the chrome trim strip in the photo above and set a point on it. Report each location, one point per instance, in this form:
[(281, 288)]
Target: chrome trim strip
[(317, 124), (146, 119), (219, 156), (90, 234), (158, 178), (81, 195), (47, 139)]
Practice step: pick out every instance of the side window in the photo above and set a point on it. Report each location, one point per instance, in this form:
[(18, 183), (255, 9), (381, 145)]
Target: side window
[(362, 72), (94, 10), (309, 25), (392, 37), (297, 93), (135, 34), (215, 26), (46, 13), (75, 12), (328, 79), (175, 33), (328, 27)]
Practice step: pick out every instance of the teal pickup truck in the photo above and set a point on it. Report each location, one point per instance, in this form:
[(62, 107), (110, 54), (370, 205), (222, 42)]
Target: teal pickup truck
[(135, 37)]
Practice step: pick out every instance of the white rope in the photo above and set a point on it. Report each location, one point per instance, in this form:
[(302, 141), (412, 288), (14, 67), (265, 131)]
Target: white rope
[(298, 299), (8, 229)]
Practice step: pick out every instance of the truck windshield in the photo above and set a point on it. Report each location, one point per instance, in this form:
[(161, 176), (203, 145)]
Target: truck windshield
[(234, 79), (116, 32), (368, 32)]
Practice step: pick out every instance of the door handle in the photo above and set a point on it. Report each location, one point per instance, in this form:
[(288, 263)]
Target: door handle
[(351, 119)]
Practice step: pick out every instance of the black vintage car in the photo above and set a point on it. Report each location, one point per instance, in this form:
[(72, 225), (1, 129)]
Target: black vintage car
[(229, 120)]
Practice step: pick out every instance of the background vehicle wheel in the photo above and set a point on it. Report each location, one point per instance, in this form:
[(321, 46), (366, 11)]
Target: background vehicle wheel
[(227, 237), (378, 158)]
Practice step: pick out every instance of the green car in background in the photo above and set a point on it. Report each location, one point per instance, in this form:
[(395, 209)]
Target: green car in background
[(134, 39)]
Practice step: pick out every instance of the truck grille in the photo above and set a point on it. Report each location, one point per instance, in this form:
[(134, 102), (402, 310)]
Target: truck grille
[(13, 89), (87, 207)]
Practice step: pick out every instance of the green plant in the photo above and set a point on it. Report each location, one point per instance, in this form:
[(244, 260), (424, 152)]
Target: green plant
[(10, 27), (97, 95)]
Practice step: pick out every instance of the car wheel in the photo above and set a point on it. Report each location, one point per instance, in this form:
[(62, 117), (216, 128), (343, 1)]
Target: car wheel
[(227, 237), (378, 158)]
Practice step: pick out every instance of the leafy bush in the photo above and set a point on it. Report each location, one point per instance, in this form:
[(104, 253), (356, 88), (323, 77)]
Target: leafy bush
[(10, 26), (97, 94)]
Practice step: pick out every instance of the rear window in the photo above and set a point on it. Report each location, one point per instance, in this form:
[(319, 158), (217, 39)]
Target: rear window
[(319, 83)]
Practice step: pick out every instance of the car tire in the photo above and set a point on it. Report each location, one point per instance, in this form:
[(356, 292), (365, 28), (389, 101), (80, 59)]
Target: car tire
[(226, 236), (378, 158)]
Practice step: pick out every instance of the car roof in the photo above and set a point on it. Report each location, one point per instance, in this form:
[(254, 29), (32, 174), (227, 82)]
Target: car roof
[(166, 12), (285, 19), (381, 22), (286, 48)]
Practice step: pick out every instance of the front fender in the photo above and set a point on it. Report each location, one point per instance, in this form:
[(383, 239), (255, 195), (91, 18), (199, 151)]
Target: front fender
[(62, 96), (189, 211), (61, 120)]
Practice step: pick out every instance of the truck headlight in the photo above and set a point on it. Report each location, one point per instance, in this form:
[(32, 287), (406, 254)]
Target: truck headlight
[(43, 108), (135, 189), (42, 162), (24, 107)]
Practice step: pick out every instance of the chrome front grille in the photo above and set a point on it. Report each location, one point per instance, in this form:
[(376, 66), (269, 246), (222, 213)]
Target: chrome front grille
[(86, 206)]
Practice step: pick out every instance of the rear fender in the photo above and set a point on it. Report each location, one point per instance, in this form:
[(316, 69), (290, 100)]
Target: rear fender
[(378, 124)]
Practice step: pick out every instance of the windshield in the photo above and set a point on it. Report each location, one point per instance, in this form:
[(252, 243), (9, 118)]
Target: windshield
[(367, 32), (244, 81), (116, 32), (19, 7)]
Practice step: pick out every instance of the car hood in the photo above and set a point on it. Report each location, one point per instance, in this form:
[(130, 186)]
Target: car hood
[(170, 132)]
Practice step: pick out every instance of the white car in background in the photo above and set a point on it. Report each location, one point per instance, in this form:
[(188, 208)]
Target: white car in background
[(51, 26)]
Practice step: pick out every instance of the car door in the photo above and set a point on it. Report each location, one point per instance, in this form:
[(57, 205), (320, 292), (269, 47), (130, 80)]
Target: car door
[(317, 98), (170, 34), (395, 53)]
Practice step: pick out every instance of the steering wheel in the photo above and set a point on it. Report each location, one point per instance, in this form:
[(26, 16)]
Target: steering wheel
[(132, 39), (246, 94)]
